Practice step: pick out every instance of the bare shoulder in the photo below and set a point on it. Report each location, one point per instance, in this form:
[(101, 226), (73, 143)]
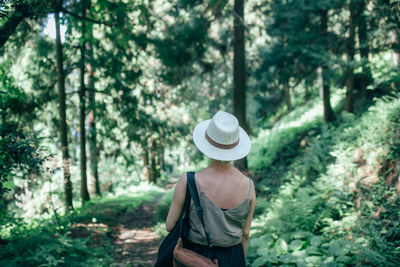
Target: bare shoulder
[(248, 180), (180, 188)]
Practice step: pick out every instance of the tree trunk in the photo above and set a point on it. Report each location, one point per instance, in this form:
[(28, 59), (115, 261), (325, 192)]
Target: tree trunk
[(322, 70), (62, 111), (145, 157), (366, 77), (93, 136), (153, 167), (161, 161), (349, 101), (326, 98), (82, 106), (239, 72), (94, 157), (288, 102), (395, 48)]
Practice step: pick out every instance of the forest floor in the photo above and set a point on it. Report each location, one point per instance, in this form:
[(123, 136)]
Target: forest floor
[(128, 231), (135, 243)]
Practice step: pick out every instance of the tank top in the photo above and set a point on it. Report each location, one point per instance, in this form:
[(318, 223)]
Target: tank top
[(224, 226)]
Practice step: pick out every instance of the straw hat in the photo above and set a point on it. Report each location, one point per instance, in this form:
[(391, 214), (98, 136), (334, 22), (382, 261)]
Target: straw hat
[(222, 138)]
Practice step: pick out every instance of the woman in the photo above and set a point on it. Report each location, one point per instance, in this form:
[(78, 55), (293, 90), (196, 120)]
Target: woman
[(226, 195)]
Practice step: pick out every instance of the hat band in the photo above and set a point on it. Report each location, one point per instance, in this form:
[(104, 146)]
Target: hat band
[(222, 146)]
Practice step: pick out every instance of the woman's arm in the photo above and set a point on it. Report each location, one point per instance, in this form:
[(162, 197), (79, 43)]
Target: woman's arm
[(247, 224), (177, 203)]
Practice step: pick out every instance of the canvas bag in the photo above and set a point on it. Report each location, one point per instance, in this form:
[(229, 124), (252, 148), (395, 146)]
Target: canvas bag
[(181, 228), (184, 257)]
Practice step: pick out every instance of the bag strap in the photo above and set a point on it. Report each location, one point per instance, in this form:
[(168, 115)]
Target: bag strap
[(195, 196), (185, 211)]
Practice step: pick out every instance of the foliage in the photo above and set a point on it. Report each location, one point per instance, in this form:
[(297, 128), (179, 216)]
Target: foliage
[(154, 69), (54, 249), (323, 203), (163, 205), (52, 243), (18, 149)]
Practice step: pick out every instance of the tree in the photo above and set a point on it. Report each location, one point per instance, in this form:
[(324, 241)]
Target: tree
[(323, 68), (239, 72), (62, 109), (366, 76), (82, 106), (20, 11), (350, 47), (93, 148)]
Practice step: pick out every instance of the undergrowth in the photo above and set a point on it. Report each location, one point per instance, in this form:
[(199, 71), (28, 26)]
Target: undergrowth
[(80, 238), (336, 207)]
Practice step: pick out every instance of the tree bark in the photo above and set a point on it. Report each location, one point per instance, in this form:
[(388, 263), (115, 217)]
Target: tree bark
[(161, 161), (288, 102), (326, 98), (153, 166), (82, 110), (349, 101), (395, 48), (145, 157), (239, 72), (92, 138), (93, 131), (322, 70), (62, 113), (366, 77)]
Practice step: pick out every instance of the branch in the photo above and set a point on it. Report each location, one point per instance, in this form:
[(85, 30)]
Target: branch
[(86, 18), (8, 28)]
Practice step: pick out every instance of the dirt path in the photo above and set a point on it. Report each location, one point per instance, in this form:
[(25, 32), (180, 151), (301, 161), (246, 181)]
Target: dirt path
[(134, 241)]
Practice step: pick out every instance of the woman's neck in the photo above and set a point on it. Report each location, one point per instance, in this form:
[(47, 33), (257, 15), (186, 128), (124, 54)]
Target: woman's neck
[(220, 165)]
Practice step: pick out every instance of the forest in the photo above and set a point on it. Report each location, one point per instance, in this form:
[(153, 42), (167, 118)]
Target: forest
[(98, 101)]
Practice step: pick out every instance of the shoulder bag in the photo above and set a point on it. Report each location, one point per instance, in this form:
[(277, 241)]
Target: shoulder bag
[(181, 228), (184, 257)]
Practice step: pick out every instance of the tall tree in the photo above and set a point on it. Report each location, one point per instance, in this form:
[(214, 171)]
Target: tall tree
[(350, 47), (82, 106), (395, 47), (62, 109), (366, 76), (239, 71), (323, 68), (92, 138), (145, 159)]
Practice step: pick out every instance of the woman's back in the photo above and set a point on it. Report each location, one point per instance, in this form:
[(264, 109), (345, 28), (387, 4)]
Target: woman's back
[(224, 195), (224, 185)]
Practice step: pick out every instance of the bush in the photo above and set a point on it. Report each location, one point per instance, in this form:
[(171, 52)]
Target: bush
[(329, 196)]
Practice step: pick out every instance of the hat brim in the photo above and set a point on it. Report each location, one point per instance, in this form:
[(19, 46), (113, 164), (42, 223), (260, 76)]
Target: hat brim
[(239, 151)]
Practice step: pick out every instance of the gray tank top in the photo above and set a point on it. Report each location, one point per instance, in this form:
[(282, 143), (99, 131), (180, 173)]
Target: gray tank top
[(224, 226)]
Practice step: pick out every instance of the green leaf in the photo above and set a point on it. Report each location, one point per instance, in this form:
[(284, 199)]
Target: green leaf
[(329, 260), (273, 257), (313, 251), (296, 245), (299, 253), (344, 259), (260, 262), (316, 260), (287, 259), (334, 249), (262, 241), (316, 241), (281, 246), (263, 251)]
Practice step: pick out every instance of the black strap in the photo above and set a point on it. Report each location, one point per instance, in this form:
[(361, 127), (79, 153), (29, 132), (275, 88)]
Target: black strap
[(185, 211), (195, 196)]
